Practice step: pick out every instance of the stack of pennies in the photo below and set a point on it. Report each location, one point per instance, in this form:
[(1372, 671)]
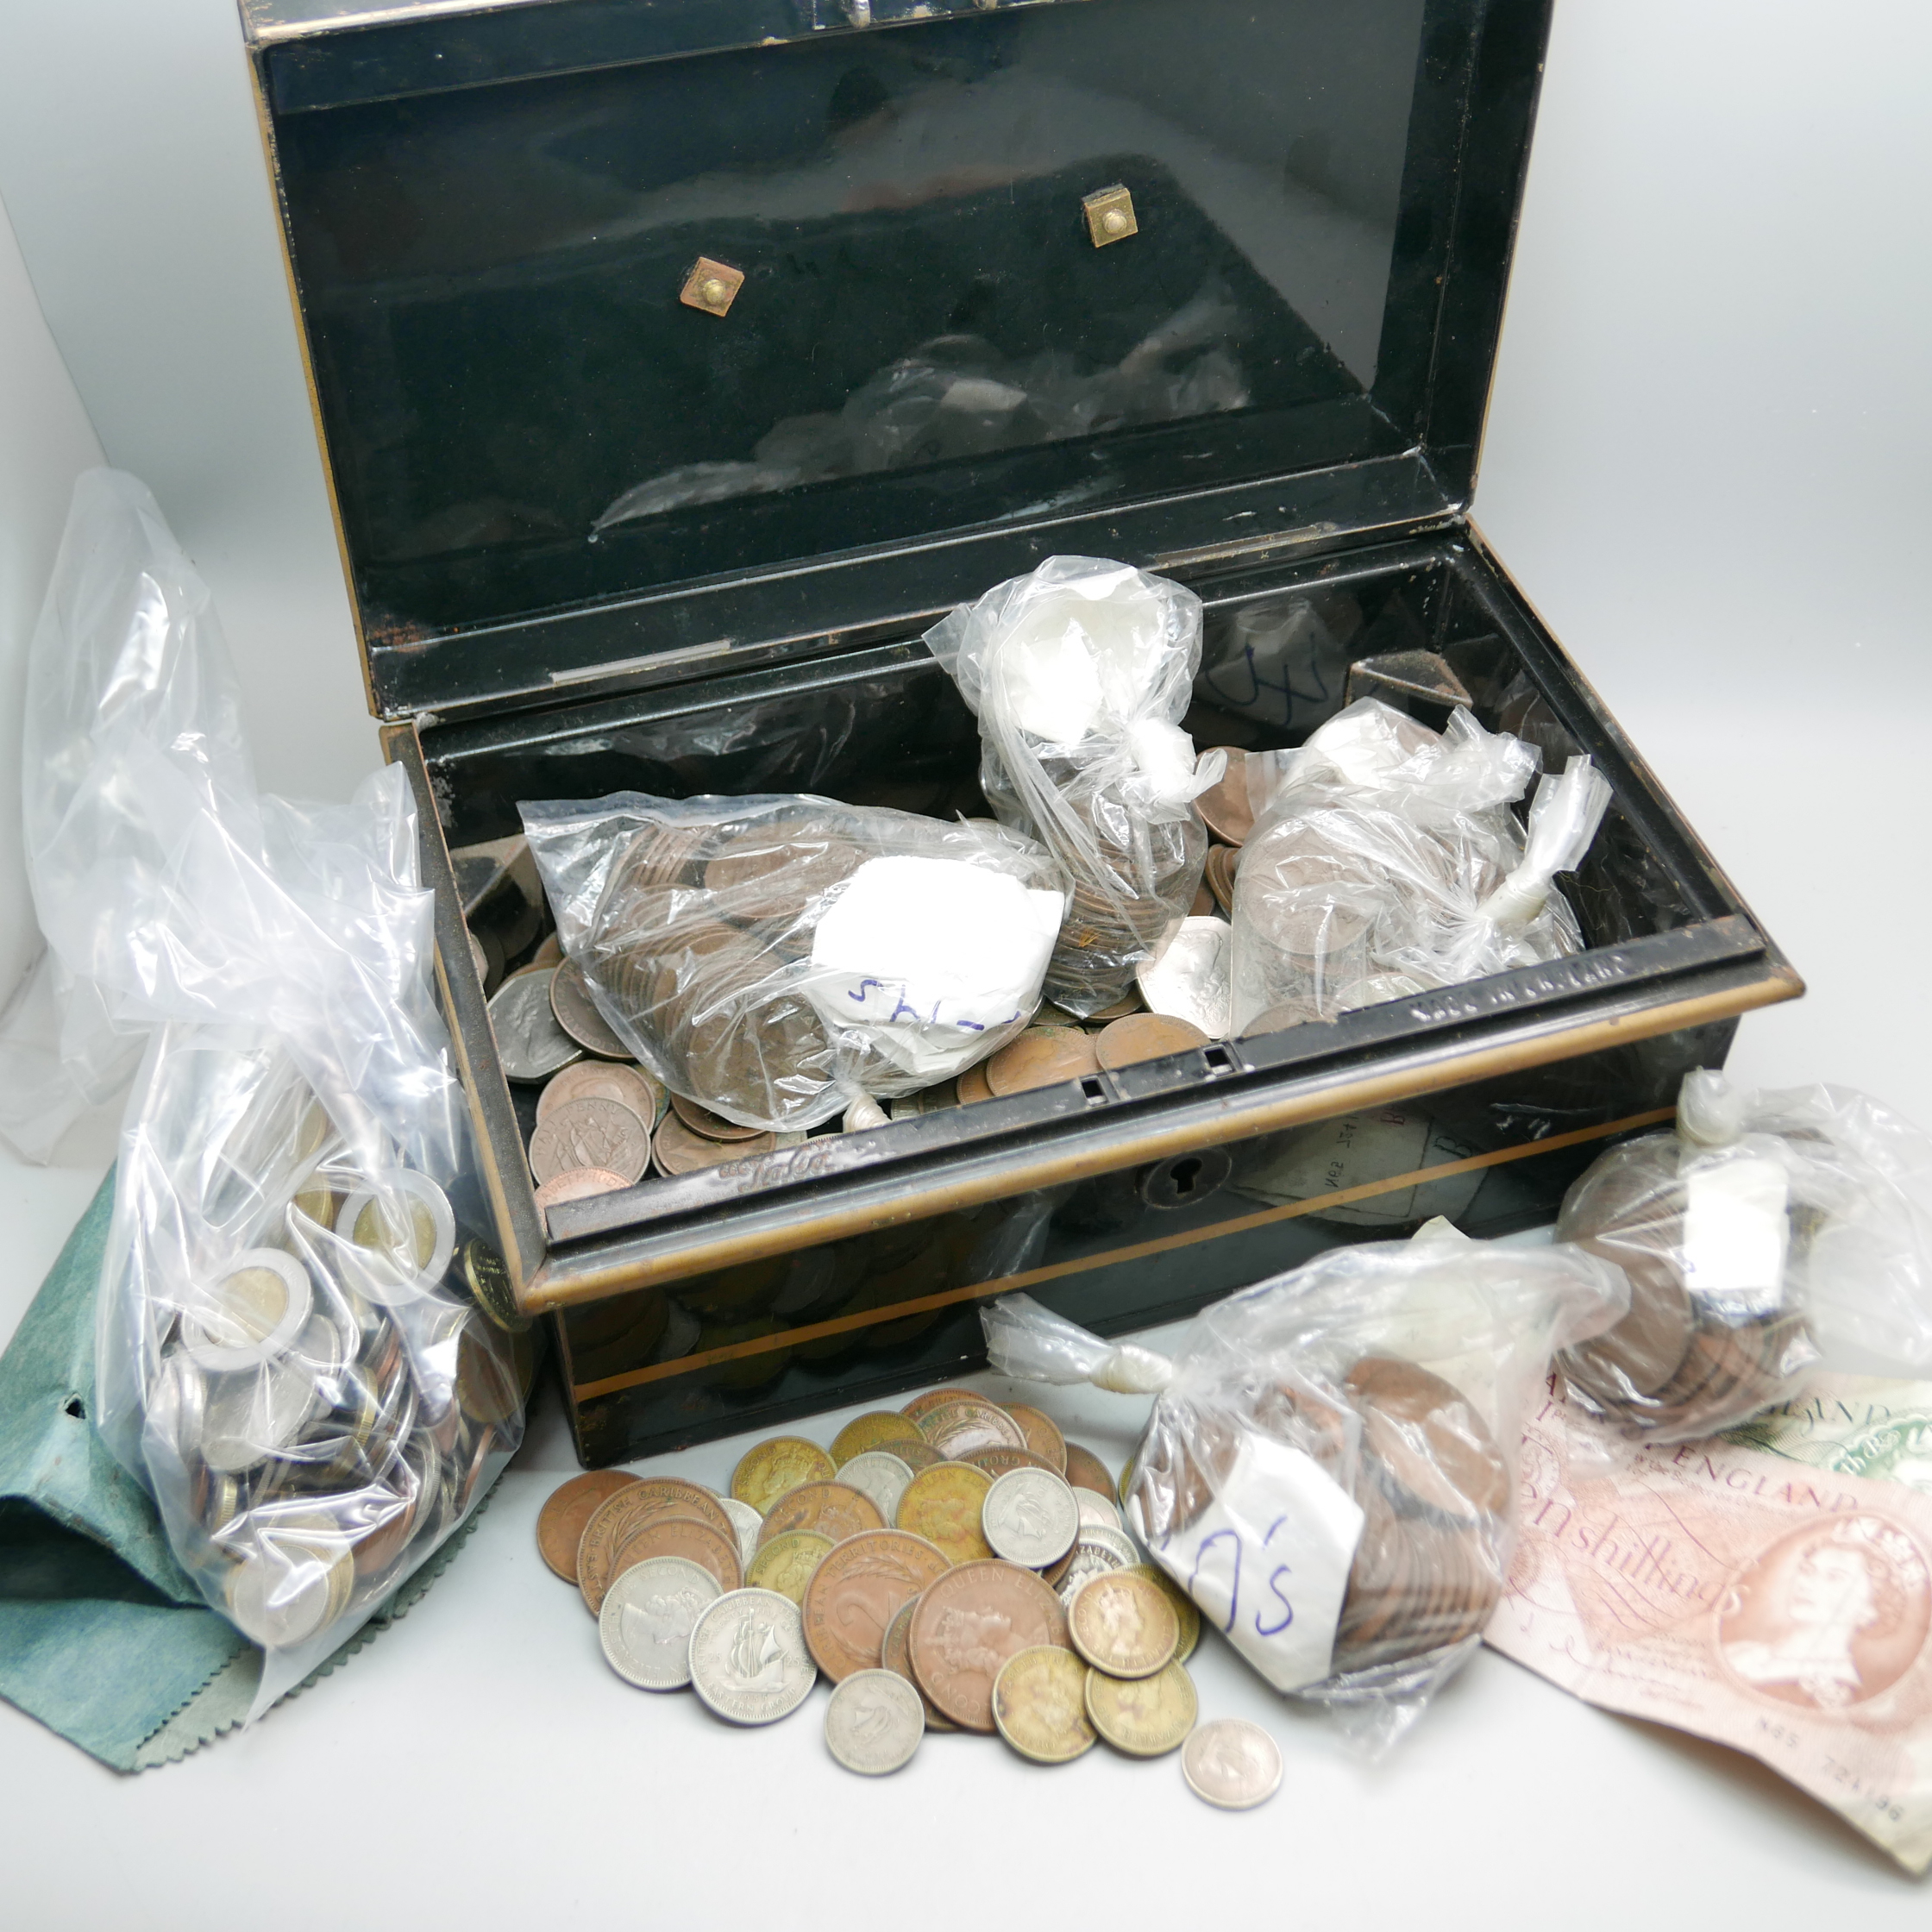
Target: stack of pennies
[(1679, 1365), (957, 1565)]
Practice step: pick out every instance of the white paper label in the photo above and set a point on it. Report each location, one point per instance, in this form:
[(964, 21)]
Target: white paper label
[(1268, 1560), (1735, 1232)]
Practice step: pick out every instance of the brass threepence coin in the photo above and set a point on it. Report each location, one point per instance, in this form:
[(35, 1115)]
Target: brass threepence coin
[(605, 1080), (787, 1563), (621, 1514), (579, 1184), (1039, 1705), (559, 1523), (1085, 1471), (968, 1624), (679, 1150), (857, 1590), (834, 1509), (1224, 806), (575, 1009), (970, 1422), (603, 1134), (1124, 1625), (943, 1504), (1043, 1435), (645, 1624), (712, 1126), (1146, 1717), (882, 1476), (748, 1657), (1186, 1614), (1041, 1056), (895, 1655), (770, 1469), (530, 1046), (1030, 1517), (873, 1722), (714, 1551), (1146, 1035), (877, 1429), (1231, 1763)]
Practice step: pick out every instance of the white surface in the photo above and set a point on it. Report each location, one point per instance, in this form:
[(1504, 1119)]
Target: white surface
[(1704, 463)]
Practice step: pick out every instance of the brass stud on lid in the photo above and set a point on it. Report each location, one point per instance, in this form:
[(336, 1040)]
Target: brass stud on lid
[(711, 287), (1110, 216)]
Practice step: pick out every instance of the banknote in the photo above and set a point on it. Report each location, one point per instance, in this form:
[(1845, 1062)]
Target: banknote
[(1770, 1590)]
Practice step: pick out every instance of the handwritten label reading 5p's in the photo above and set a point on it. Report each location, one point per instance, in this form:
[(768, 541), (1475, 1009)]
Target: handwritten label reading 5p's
[(1268, 1560)]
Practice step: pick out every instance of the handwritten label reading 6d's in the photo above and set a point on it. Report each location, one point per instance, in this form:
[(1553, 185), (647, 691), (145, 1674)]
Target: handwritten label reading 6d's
[(1268, 1560)]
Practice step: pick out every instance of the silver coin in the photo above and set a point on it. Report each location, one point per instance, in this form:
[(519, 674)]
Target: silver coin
[(881, 1475), (284, 1595), (1231, 1763), (1095, 1509), (603, 1134), (1098, 1550), (873, 1722), (529, 1043), (1189, 977), (250, 1415), (645, 1623), (749, 1661), (863, 1115), (250, 1313), (746, 1522), (1029, 1517), (575, 1008)]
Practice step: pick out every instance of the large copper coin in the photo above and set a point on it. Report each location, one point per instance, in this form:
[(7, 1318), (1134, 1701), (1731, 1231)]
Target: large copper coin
[(576, 1013), (833, 1509), (603, 1134), (579, 1184), (604, 1080), (1145, 1036), (927, 1400), (1042, 1057), (679, 1150), (880, 1428), (968, 1624), (1218, 877), (895, 1654), (1000, 1460), (712, 1126), (971, 1086), (1124, 1625), (1085, 1471), (943, 1504), (970, 1422), (856, 1592), (1224, 806), (683, 1536), (769, 1469), (559, 1523), (1043, 1435), (622, 1515), (1428, 1436)]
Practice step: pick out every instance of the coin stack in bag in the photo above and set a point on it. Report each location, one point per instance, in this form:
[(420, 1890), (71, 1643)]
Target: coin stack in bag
[(1117, 917), (955, 1566)]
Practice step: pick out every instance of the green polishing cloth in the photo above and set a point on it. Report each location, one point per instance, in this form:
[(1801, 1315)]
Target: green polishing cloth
[(103, 1637)]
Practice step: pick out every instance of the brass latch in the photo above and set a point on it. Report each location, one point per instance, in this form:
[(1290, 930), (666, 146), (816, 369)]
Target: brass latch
[(711, 287), (1109, 213)]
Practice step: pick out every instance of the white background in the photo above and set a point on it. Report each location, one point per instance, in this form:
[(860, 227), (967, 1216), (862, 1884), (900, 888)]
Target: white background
[(1705, 462)]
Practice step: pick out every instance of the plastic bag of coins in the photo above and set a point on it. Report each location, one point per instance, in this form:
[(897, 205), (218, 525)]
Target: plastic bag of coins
[(1769, 1234), (307, 1355), (1329, 1469), (1387, 860), (774, 960), (1079, 673)]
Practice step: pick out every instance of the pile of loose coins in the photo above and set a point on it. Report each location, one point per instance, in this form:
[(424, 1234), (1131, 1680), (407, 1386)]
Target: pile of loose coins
[(956, 1566)]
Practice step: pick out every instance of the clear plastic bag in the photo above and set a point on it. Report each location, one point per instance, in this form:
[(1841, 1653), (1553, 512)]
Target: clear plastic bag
[(1769, 1234), (1079, 675), (293, 1354), (1330, 1468), (774, 958), (1385, 860)]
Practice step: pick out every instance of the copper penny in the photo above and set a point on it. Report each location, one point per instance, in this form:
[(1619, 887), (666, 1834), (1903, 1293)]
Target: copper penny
[(603, 1134), (1119, 1010), (968, 1624), (971, 1085), (1041, 1056), (621, 1514), (997, 1461), (604, 1080), (1043, 1435), (856, 1591), (712, 1126), (1224, 806), (918, 1455), (771, 1469), (679, 1150), (1085, 1471), (579, 1184), (1145, 1036), (687, 1537), (1429, 1438), (559, 1523), (833, 1509), (943, 1504), (895, 1654), (970, 1422), (576, 1013)]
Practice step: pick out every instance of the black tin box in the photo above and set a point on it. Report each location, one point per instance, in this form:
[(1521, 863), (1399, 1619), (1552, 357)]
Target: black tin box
[(880, 304)]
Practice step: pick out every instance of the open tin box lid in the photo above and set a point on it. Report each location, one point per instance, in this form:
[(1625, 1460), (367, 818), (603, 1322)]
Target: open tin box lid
[(647, 337)]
